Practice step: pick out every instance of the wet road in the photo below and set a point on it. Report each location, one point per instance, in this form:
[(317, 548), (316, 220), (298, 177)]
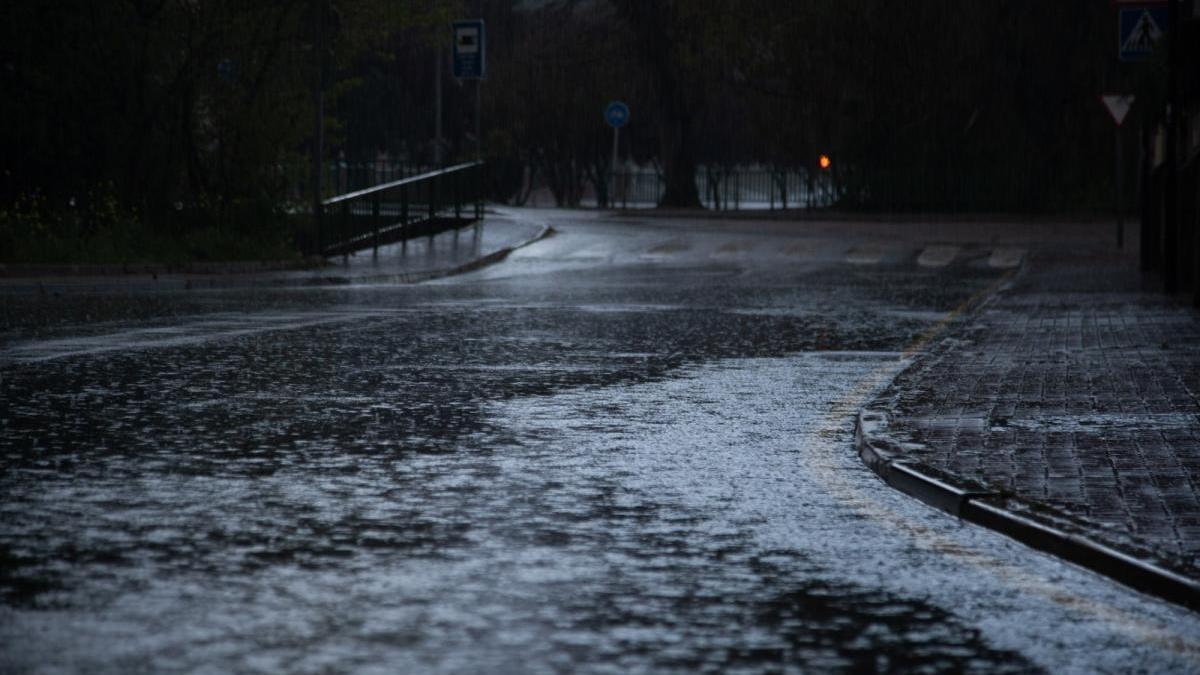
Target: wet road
[(627, 448)]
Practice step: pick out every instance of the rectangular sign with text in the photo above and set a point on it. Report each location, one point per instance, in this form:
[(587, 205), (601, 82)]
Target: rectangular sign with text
[(469, 63)]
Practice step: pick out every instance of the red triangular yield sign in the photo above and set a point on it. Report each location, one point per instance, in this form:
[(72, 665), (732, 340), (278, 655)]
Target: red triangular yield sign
[(1118, 105)]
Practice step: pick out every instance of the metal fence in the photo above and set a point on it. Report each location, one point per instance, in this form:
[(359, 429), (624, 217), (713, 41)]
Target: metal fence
[(727, 189), (395, 210), (342, 176)]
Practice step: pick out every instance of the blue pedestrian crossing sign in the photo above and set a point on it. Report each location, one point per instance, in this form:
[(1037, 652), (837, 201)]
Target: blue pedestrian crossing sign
[(1138, 30), (616, 114), (469, 63)]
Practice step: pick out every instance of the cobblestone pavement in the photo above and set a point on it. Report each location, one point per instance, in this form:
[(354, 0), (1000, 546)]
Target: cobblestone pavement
[(1076, 390)]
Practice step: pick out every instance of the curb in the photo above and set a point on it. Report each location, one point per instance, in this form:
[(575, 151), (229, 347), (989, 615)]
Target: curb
[(822, 215), (35, 270), (883, 454), (26, 271), (249, 280), (417, 277)]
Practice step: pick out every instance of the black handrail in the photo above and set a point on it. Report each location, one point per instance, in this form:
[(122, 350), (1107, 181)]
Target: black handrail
[(397, 183), (399, 210)]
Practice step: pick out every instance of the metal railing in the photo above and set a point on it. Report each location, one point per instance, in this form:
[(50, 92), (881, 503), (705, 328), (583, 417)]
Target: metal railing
[(734, 188), (342, 176), (410, 207)]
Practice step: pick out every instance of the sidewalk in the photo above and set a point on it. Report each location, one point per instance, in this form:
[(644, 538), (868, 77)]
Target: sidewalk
[(418, 259), (447, 253), (1071, 398)]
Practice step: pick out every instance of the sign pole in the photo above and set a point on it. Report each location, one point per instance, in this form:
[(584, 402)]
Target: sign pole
[(1118, 107), (470, 63), (437, 108), (318, 148), (1171, 233), (612, 193), (617, 115), (470, 50), (1120, 189)]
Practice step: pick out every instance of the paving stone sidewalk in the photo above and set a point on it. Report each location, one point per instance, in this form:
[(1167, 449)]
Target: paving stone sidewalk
[(1074, 391)]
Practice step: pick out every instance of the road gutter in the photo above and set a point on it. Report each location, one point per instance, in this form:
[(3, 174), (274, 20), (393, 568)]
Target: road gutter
[(887, 457), (261, 278), (427, 275), (879, 451)]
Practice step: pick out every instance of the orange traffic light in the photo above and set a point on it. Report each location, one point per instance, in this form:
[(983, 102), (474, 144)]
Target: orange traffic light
[(824, 161)]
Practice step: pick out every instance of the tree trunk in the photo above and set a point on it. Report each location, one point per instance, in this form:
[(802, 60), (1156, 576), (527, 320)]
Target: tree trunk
[(656, 26), (679, 163)]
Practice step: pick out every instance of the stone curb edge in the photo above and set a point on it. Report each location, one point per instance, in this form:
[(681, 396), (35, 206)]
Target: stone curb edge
[(883, 455), (341, 280), (252, 268), (34, 271), (802, 214), (417, 277)]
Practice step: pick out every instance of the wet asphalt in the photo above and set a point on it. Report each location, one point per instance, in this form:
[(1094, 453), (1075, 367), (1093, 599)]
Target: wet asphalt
[(626, 448)]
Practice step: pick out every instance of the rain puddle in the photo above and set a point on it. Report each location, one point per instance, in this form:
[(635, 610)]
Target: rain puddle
[(716, 520), (658, 526), (192, 333)]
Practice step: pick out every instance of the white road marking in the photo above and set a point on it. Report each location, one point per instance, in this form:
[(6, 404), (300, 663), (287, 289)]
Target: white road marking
[(1006, 258), (865, 254), (223, 327), (938, 255)]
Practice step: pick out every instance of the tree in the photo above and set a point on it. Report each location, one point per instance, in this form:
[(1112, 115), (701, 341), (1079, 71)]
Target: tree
[(666, 34), (191, 114)]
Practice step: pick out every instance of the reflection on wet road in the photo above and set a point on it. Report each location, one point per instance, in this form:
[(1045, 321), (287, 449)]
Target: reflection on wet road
[(604, 463)]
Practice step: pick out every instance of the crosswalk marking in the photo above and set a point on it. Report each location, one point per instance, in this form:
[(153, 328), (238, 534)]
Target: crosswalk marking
[(862, 253), (1006, 258), (865, 254), (938, 255)]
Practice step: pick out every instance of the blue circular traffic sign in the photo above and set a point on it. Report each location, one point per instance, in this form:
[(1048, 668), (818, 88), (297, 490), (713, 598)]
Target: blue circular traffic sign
[(616, 114)]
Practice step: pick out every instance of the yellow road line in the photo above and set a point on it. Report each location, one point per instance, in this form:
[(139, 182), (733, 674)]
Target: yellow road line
[(867, 504)]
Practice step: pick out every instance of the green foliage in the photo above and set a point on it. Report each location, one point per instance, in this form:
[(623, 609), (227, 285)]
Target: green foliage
[(935, 105), (96, 229), (94, 226), (186, 112), (197, 118)]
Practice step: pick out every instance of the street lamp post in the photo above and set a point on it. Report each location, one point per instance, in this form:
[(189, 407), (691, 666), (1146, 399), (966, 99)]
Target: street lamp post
[(318, 146)]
